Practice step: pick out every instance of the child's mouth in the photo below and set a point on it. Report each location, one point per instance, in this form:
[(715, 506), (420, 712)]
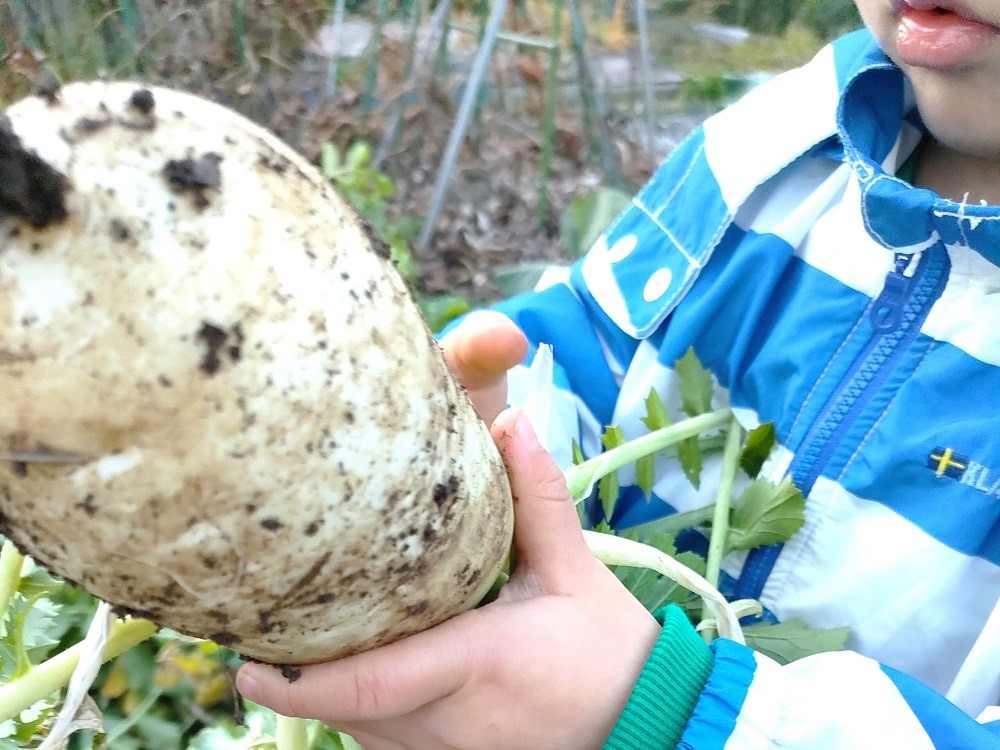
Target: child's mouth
[(941, 36)]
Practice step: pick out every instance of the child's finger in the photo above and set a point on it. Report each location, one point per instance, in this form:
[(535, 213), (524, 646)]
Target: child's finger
[(480, 351), (373, 686), (483, 347), (547, 533)]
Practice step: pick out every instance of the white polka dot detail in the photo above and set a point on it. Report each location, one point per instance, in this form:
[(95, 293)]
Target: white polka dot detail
[(622, 248), (657, 285)]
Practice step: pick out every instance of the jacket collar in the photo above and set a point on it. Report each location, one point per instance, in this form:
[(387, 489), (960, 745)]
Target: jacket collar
[(853, 105), (875, 112)]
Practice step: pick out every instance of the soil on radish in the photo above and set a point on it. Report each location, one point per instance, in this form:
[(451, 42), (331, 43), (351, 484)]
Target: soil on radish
[(48, 87), (29, 188), (142, 101), (194, 176)]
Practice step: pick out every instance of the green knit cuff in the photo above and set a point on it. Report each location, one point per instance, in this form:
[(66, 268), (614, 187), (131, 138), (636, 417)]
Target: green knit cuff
[(667, 689)]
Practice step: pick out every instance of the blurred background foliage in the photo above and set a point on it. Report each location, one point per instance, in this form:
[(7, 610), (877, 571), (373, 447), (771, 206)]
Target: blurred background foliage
[(578, 96), (269, 58)]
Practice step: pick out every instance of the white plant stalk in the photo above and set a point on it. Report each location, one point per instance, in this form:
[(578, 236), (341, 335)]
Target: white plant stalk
[(741, 608), (11, 563), (539, 397), (583, 478), (91, 653), (616, 550), (292, 734)]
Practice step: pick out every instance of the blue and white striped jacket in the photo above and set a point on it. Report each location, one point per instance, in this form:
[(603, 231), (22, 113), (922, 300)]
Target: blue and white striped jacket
[(861, 316)]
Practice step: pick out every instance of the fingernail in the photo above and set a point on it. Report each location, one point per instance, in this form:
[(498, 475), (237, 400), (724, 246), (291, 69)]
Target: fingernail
[(247, 685), (526, 433)]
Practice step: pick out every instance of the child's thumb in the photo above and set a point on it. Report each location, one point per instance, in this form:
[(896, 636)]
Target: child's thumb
[(547, 534), (481, 348)]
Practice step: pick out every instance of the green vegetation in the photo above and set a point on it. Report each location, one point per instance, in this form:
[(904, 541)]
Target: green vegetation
[(785, 34), (824, 18), (764, 513)]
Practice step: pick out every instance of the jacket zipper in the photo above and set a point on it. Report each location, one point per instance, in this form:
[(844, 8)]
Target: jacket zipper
[(896, 315)]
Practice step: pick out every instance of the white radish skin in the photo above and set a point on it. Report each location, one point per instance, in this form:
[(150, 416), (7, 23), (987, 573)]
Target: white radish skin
[(221, 408)]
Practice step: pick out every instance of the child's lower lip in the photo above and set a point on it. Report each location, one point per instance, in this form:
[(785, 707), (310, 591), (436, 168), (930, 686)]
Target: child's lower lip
[(941, 40)]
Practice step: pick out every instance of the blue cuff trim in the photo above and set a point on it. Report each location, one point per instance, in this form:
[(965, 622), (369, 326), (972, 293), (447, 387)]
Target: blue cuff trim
[(714, 717)]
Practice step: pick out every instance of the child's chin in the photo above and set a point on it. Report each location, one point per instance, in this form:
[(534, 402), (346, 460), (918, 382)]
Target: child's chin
[(961, 114)]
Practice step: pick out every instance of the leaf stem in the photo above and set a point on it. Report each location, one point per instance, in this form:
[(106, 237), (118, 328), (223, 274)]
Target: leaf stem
[(676, 522), (722, 508), (616, 550), (292, 733), (53, 674), (11, 562), (582, 477)]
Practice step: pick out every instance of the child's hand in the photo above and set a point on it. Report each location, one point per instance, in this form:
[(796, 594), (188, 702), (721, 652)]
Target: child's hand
[(479, 351), (549, 665)]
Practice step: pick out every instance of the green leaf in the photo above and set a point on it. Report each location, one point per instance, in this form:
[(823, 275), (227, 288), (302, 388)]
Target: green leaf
[(793, 639), (656, 418), (39, 582), (157, 732), (765, 514), (757, 448), (604, 528), (692, 560), (650, 588), (358, 156), (41, 625), (29, 630), (607, 488), (329, 161), (645, 474), (661, 540), (33, 623), (689, 454), (588, 216), (695, 383), (383, 185), (8, 661), (28, 730), (439, 310), (402, 257), (578, 457), (656, 413), (28, 722)]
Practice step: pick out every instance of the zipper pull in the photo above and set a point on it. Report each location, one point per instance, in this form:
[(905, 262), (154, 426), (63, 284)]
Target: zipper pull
[(887, 310)]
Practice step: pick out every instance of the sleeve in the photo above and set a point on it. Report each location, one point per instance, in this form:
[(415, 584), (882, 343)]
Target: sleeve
[(596, 313), (728, 697)]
